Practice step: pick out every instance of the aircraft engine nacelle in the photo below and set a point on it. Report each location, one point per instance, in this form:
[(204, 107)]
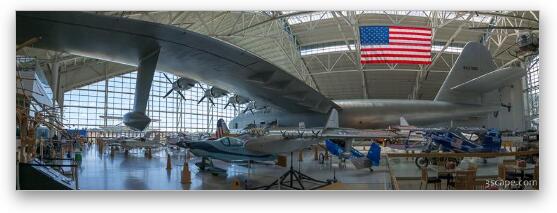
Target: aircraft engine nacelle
[(136, 120), (215, 92), (183, 84)]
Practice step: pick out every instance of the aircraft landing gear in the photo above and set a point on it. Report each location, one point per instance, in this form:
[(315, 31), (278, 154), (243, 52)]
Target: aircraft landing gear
[(422, 162), (205, 162)]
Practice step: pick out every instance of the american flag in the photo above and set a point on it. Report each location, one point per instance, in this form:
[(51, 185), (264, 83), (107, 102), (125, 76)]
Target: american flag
[(395, 45)]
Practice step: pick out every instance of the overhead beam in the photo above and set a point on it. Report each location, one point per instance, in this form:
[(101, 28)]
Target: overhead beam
[(269, 20), (506, 15), (375, 70), (355, 29)]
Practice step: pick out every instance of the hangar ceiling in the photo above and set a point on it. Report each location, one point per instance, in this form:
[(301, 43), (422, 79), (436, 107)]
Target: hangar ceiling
[(320, 47)]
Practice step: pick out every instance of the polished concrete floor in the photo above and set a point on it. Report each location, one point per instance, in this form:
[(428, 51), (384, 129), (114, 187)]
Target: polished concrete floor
[(103, 171)]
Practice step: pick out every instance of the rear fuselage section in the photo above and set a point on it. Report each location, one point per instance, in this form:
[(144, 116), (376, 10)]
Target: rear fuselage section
[(369, 113)]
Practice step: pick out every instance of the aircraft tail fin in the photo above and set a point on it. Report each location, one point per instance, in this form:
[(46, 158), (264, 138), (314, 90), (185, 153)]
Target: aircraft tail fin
[(403, 121), (222, 129), (474, 61), (332, 122)]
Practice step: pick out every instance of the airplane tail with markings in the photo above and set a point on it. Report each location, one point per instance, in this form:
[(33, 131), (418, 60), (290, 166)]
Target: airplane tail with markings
[(474, 74), (222, 129)]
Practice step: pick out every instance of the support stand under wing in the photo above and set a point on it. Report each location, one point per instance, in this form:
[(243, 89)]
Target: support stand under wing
[(293, 179)]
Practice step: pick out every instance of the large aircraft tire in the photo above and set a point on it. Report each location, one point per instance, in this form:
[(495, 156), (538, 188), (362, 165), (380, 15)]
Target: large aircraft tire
[(422, 162)]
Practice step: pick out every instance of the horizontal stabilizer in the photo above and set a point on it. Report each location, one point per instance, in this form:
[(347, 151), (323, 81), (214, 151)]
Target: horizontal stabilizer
[(491, 81)]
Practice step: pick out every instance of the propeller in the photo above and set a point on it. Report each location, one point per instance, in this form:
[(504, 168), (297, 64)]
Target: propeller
[(236, 100), (213, 92), (233, 105), (254, 106), (180, 84)]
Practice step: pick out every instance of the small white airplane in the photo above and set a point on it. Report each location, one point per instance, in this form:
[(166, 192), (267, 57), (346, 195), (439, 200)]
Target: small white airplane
[(139, 142)]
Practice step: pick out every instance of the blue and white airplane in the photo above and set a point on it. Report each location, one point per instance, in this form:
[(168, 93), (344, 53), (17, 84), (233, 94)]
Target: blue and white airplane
[(456, 140), (372, 158)]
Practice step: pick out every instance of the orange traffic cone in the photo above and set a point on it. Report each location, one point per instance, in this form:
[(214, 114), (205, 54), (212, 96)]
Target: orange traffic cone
[(168, 162), (235, 184), (186, 176)]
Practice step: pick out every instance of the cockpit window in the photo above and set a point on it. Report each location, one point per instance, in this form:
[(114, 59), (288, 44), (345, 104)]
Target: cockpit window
[(236, 142), (231, 141)]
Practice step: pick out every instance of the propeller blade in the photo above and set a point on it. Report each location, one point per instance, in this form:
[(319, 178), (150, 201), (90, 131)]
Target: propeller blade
[(168, 93), (227, 105), (245, 110), (167, 78), (211, 100), (234, 105), (201, 86), (180, 93), (200, 100)]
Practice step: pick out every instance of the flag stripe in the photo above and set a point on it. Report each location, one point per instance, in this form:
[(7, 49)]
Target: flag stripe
[(408, 33), (411, 44), (427, 40), (427, 43), (396, 62), (395, 55), (409, 36), (396, 58), (410, 28), (394, 52), (396, 47)]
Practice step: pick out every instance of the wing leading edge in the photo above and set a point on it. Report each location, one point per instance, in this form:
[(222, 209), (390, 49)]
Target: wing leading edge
[(182, 52)]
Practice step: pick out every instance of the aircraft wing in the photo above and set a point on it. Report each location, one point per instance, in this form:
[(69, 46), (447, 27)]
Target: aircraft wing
[(333, 133), (289, 140), (342, 133), (491, 81), (181, 52), (275, 144)]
